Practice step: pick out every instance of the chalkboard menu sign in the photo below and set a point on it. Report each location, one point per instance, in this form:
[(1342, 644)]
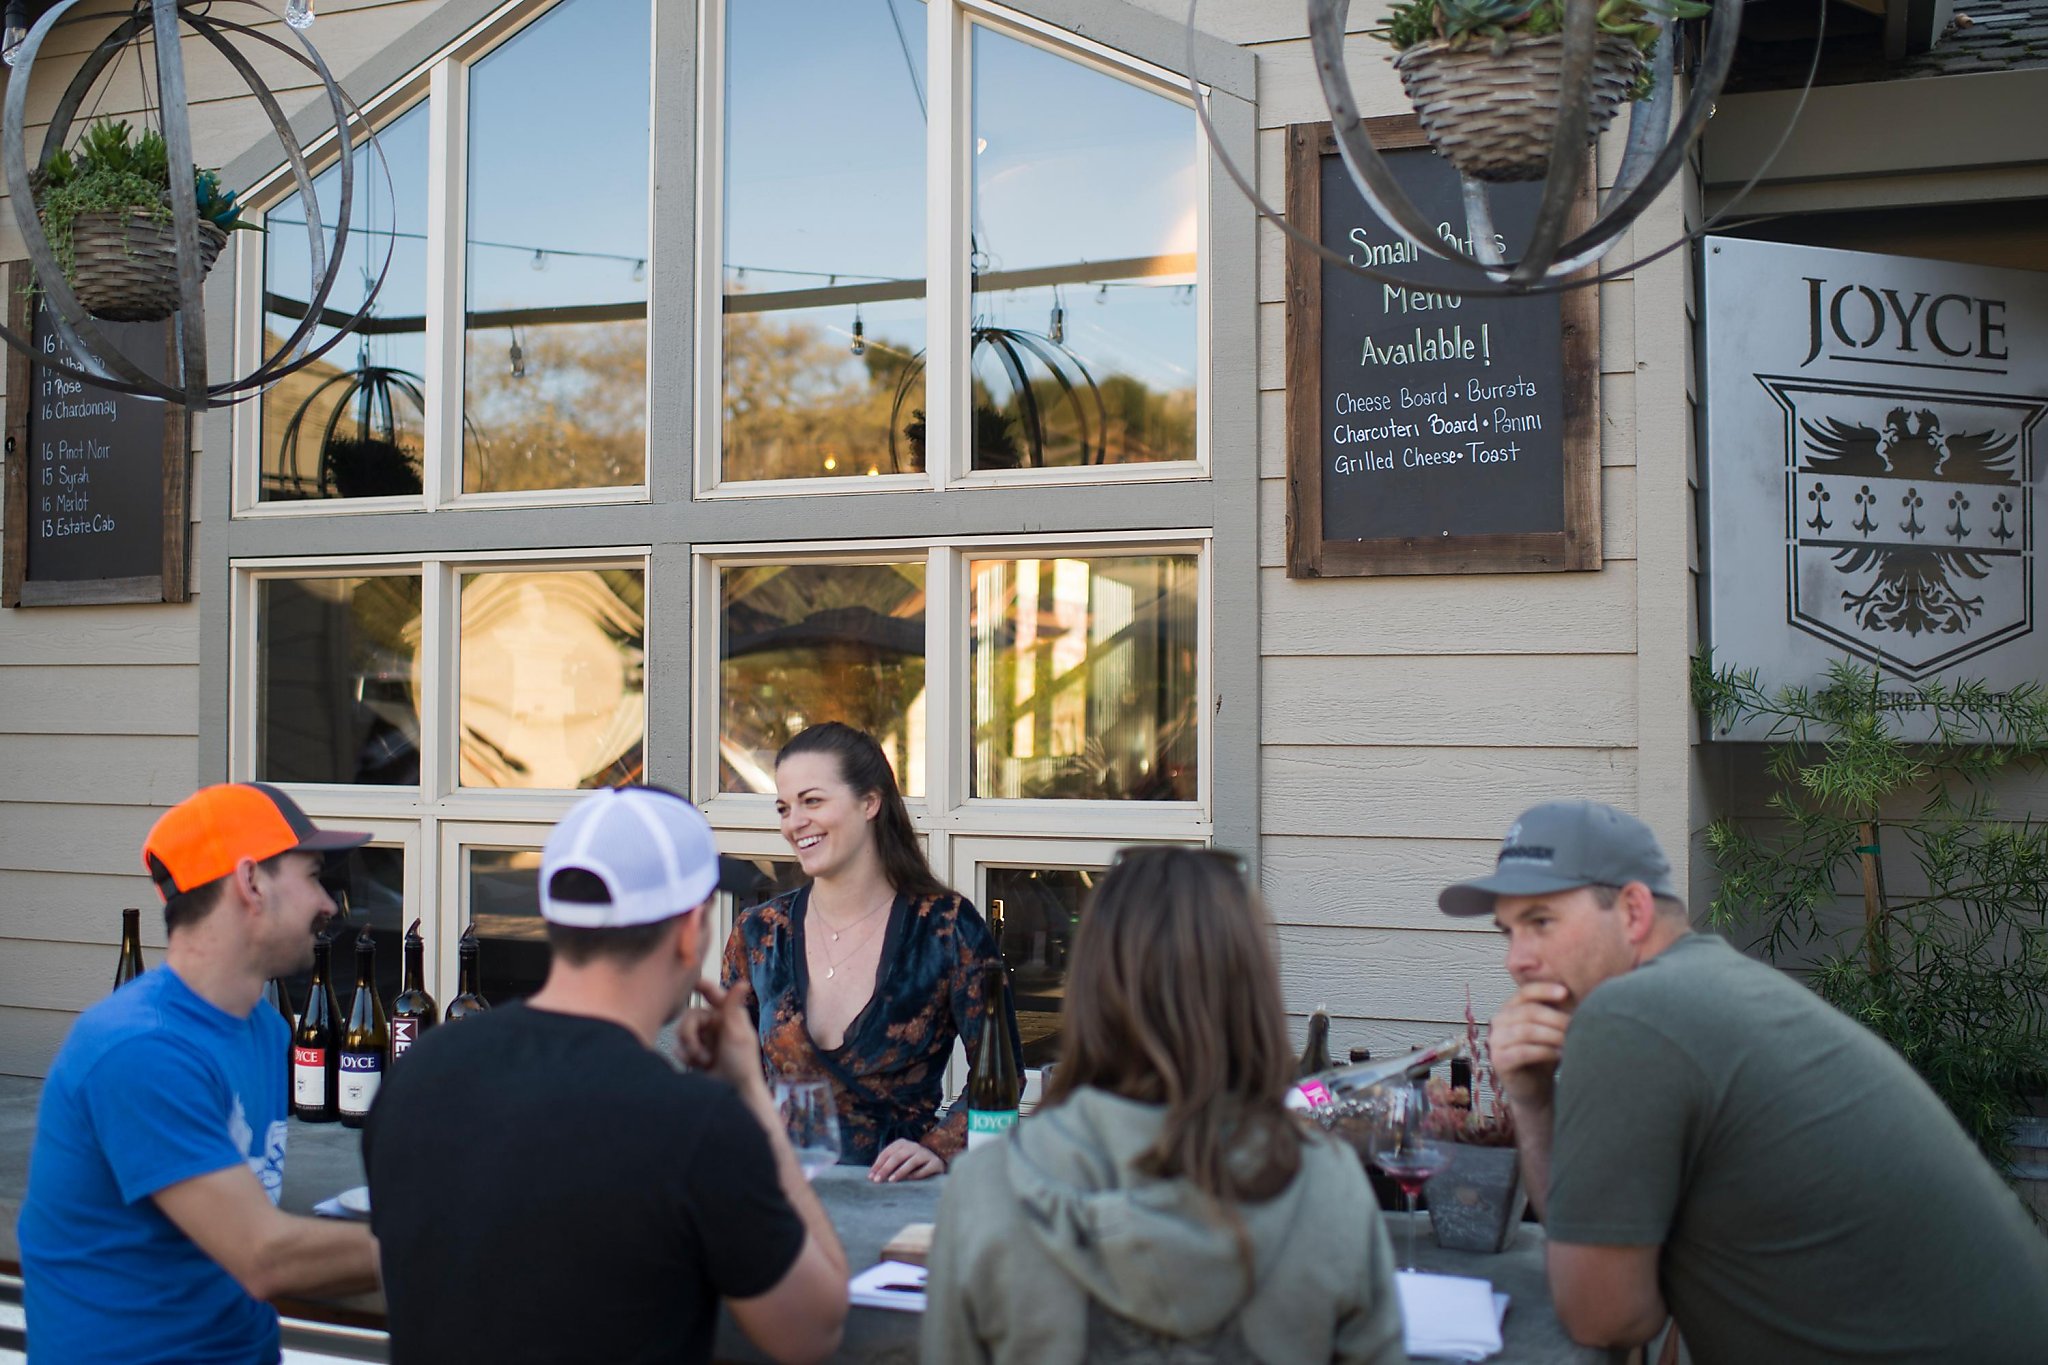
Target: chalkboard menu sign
[(1430, 431), (96, 505)]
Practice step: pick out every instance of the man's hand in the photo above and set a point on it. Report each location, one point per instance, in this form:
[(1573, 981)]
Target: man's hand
[(720, 1039), (906, 1160), (1526, 1041)]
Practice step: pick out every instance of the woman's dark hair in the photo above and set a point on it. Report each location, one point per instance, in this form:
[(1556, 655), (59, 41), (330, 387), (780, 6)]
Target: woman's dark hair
[(865, 768), (1173, 998)]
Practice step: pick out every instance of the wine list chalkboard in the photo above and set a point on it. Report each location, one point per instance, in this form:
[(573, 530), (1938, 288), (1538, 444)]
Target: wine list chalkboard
[(96, 507), (1430, 431)]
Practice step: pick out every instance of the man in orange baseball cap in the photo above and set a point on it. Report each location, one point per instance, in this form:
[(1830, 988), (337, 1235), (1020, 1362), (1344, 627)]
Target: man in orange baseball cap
[(151, 1230)]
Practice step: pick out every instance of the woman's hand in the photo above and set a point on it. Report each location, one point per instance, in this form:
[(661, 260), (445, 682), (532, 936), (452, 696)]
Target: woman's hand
[(906, 1160)]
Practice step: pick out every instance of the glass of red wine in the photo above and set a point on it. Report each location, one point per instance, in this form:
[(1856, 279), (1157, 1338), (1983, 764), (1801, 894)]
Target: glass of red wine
[(1403, 1147)]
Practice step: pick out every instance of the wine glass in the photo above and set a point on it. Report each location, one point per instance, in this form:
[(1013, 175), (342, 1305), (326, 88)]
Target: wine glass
[(1404, 1148), (811, 1118)]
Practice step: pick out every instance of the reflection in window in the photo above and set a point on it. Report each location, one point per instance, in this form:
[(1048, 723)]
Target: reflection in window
[(352, 423), (1038, 910), (553, 678), (823, 270), (1085, 228), (805, 643), (504, 905), (555, 377), (752, 881), (336, 687), (371, 882), (1085, 678)]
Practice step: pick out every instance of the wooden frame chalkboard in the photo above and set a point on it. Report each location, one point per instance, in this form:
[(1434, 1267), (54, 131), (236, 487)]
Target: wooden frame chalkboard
[(1544, 515), (159, 464)]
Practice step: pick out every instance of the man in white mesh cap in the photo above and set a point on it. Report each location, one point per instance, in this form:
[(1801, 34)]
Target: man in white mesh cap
[(548, 1187)]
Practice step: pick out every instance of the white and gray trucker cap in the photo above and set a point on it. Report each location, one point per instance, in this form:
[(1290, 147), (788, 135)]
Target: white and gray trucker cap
[(651, 849)]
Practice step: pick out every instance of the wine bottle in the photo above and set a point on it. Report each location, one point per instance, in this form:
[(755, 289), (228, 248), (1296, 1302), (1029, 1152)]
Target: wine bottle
[(994, 1089), (280, 999), (368, 1041), (469, 999), (413, 1012), (130, 966), (316, 1045), (1315, 1054)]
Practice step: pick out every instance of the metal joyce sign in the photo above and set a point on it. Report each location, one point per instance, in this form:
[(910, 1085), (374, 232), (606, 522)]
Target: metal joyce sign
[(1874, 483)]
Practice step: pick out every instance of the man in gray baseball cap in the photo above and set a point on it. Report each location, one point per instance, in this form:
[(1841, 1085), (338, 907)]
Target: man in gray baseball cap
[(1708, 1141)]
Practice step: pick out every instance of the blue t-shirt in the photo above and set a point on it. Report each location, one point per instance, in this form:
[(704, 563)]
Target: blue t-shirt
[(154, 1086)]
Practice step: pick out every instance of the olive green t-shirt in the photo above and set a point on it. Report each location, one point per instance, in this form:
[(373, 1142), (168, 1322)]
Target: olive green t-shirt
[(1814, 1200)]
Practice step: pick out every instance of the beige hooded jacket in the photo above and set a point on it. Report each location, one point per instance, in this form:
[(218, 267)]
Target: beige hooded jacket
[(1050, 1248)]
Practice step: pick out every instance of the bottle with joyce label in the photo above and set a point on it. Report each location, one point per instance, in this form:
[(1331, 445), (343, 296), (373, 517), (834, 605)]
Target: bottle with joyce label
[(994, 1091), (413, 1012), (316, 1044), (368, 1040)]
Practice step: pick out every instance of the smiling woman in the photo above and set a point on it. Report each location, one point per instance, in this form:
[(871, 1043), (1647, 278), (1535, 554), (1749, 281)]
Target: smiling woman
[(866, 975)]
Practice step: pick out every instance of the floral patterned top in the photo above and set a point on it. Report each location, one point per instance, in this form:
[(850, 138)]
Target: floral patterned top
[(889, 1073)]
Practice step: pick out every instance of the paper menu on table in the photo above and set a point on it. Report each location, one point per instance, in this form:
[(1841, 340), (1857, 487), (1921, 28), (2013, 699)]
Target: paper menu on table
[(1450, 1317), (889, 1284)]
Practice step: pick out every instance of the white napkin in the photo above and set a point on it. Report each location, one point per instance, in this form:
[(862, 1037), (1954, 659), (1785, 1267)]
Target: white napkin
[(889, 1284), (1450, 1317)]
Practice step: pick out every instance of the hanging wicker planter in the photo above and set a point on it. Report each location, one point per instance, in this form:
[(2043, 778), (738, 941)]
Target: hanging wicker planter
[(127, 264), (1494, 117)]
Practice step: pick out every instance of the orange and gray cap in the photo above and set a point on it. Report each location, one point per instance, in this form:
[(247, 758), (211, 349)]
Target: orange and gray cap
[(203, 837), (1563, 845)]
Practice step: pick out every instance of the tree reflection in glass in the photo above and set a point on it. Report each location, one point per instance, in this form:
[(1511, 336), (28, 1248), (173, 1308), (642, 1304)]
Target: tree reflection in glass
[(1085, 675), (804, 643), (1084, 240), (823, 270), (352, 423), (336, 686), (555, 358), (554, 678)]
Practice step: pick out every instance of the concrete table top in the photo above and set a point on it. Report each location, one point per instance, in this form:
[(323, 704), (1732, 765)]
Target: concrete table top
[(324, 1159)]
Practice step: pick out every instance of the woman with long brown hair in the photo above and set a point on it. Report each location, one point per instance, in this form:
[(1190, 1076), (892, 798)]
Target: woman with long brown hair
[(867, 974), (1163, 1197)]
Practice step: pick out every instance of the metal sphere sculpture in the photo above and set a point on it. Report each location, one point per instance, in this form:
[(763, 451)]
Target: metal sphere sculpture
[(1555, 259), (1074, 393), (97, 360)]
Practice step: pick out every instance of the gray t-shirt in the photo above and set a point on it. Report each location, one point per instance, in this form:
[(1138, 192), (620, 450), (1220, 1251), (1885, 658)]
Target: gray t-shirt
[(1815, 1201)]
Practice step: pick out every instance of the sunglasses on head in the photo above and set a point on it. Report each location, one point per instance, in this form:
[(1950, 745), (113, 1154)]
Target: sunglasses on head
[(1236, 862)]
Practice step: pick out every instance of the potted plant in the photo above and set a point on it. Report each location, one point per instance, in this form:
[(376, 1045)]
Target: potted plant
[(1476, 1202), (1948, 958), (106, 209), (1483, 75)]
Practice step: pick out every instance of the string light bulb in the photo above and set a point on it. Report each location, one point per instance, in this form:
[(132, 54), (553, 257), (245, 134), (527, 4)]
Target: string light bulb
[(1102, 295), (639, 271), (518, 359), (540, 259), (16, 32), (860, 343), (1057, 328), (299, 14)]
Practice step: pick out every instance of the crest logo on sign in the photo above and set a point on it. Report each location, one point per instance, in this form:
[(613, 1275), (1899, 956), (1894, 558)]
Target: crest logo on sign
[(1910, 519)]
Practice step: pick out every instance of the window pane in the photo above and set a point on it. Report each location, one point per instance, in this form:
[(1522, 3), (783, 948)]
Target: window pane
[(352, 424), (1040, 911), (373, 880), (553, 678), (1085, 677), (1084, 347), (803, 643), (504, 905), (555, 379), (824, 237), (337, 691), (756, 879)]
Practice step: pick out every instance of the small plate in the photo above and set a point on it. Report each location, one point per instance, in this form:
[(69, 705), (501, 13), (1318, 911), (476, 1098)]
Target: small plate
[(356, 1201)]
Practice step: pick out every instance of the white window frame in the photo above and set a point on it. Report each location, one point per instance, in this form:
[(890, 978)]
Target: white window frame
[(945, 807), (443, 78), (949, 46)]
